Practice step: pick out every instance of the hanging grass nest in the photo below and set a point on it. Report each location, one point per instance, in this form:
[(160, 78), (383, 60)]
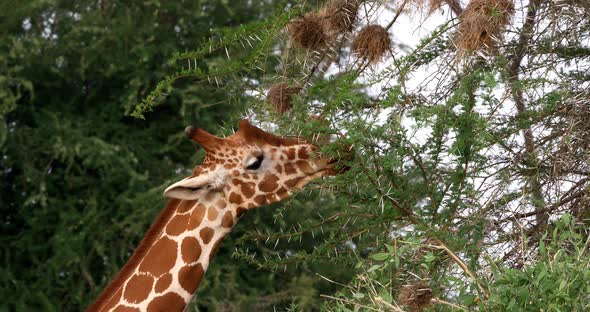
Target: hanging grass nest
[(340, 15), (279, 96), (417, 296), (309, 31), (372, 43), (481, 23)]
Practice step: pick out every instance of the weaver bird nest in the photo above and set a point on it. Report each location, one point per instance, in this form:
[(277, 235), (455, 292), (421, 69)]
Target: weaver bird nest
[(481, 23), (279, 96), (309, 31), (315, 30), (416, 296), (372, 43), (340, 15)]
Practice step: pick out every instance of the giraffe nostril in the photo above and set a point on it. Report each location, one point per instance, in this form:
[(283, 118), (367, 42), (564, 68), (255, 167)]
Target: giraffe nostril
[(189, 131)]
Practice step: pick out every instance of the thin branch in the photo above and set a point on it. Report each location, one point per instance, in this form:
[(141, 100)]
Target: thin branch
[(529, 143)]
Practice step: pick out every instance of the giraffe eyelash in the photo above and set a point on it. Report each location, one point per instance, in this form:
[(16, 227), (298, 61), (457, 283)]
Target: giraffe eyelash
[(256, 164)]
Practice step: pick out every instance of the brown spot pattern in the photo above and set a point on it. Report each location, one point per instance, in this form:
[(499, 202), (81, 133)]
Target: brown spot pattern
[(197, 217), (190, 277), (269, 183), (212, 213), (138, 288), (248, 189), (160, 258), (304, 166), (168, 302), (178, 224), (163, 282), (206, 234), (197, 171), (186, 205), (281, 190), (290, 169), (228, 220), (240, 211), (221, 204), (235, 198), (260, 200), (291, 152), (292, 182), (122, 308), (190, 249)]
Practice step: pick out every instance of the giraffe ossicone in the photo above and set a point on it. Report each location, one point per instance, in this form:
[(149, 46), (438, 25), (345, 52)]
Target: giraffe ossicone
[(248, 169)]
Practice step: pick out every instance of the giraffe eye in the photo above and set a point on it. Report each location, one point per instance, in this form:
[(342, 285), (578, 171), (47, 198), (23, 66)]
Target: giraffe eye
[(256, 164)]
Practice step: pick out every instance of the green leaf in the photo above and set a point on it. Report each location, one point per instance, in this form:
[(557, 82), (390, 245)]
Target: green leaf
[(390, 248), (380, 256), (374, 267), (358, 295)]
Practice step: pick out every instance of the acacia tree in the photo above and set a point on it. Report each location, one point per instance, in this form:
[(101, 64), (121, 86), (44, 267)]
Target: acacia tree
[(470, 182)]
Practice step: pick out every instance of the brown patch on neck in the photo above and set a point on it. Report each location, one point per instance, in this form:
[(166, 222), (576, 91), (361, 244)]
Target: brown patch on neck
[(269, 183), (133, 262), (228, 220)]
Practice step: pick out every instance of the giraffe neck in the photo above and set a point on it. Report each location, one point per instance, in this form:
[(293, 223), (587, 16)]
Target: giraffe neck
[(167, 267)]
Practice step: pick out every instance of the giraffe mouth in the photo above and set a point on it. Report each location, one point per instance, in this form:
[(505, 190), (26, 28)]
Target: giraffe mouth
[(338, 165), (188, 188), (335, 167)]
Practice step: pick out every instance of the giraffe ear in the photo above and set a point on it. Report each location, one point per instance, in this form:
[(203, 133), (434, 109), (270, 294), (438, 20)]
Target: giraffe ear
[(189, 188)]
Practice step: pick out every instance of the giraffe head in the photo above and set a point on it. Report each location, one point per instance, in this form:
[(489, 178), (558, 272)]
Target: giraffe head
[(250, 168)]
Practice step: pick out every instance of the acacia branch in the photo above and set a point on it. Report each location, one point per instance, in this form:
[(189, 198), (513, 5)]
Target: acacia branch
[(529, 143)]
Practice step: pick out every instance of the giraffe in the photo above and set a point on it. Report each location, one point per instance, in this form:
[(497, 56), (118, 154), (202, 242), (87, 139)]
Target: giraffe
[(245, 170)]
